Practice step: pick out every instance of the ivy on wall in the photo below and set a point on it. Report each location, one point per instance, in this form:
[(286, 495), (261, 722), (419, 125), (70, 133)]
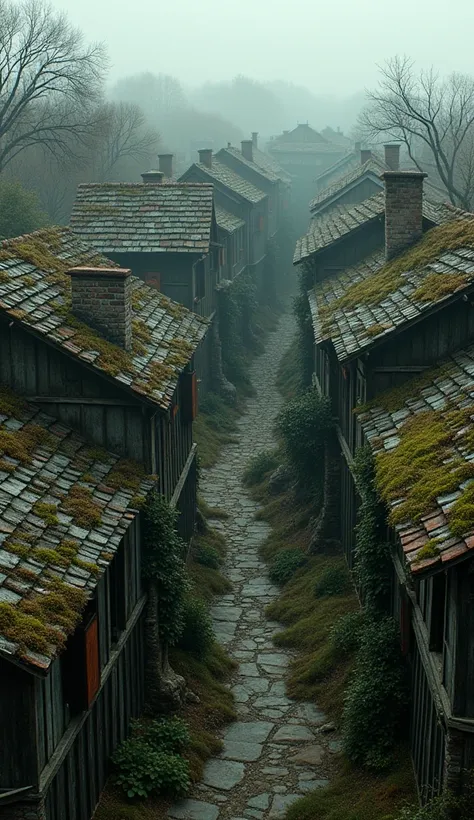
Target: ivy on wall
[(305, 335)]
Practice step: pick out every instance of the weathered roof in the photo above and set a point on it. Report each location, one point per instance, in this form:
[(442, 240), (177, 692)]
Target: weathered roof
[(305, 147), (35, 291), (63, 511), (226, 176), (267, 162), (329, 227), (361, 306), (228, 222), (266, 173), (144, 218), (301, 134), (341, 166), (429, 489), (372, 168)]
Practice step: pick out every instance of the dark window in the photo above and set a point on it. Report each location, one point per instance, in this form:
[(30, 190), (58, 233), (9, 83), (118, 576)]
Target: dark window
[(80, 662)]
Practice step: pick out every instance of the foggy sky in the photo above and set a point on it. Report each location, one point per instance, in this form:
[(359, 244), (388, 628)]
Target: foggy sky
[(330, 46)]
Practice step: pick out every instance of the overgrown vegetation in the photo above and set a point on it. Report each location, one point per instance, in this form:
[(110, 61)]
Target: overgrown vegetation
[(304, 425), (305, 334), (448, 806), (260, 466), (213, 428), (20, 210)]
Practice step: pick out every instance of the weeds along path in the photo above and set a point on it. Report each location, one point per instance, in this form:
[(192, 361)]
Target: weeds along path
[(272, 754)]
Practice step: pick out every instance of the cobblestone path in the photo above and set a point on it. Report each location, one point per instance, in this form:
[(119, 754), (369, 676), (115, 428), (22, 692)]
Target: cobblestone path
[(273, 753)]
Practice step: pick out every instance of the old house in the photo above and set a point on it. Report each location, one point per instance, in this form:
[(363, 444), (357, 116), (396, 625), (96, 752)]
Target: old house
[(231, 232), (97, 397), (239, 197), (380, 323)]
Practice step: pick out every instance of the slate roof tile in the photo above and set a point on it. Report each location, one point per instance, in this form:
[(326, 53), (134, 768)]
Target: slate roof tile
[(41, 555), (266, 173), (221, 173), (35, 292), (228, 222), (151, 218)]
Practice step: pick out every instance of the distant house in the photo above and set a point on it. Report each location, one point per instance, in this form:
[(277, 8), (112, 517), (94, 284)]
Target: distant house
[(238, 196), (231, 231), (377, 328), (97, 399)]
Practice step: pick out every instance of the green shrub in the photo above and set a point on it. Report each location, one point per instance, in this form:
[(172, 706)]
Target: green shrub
[(447, 806), (167, 734), (284, 566), (376, 698), (346, 634), (143, 770), (305, 424), (333, 581), (197, 636), (208, 557), (259, 466)]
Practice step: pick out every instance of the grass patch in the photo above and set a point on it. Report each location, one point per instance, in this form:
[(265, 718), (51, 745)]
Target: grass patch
[(213, 428), (211, 512), (208, 580), (356, 795), (260, 466)]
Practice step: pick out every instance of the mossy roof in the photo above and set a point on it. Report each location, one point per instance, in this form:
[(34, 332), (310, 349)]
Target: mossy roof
[(229, 179), (265, 161), (167, 217), (366, 303), (343, 221), (266, 173), (422, 434), (342, 166), (35, 291), (52, 550), (370, 169)]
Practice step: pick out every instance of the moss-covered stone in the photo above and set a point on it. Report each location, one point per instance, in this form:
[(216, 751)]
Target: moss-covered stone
[(47, 512)]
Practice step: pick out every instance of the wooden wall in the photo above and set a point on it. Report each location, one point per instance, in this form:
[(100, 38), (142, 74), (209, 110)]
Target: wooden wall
[(427, 736)]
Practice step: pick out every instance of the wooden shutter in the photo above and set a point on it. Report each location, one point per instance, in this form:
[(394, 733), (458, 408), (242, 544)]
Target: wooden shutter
[(92, 660), (190, 396)]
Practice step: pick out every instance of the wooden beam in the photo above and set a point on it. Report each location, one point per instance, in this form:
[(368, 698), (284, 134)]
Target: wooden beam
[(402, 369), (81, 400), (182, 479)]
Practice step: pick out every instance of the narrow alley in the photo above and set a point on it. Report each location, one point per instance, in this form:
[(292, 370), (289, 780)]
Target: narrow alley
[(273, 753)]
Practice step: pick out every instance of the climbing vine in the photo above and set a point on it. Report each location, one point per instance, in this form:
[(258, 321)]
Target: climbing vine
[(305, 424), (164, 567), (305, 335)]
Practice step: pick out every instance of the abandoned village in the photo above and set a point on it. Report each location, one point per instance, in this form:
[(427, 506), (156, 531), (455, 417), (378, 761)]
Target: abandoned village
[(237, 487)]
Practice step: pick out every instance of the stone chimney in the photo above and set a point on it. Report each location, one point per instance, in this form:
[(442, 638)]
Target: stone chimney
[(101, 297), (403, 210), (205, 157), (357, 147), (152, 177), (365, 155), (392, 157), (247, 150), (255, 139), (166, 165)]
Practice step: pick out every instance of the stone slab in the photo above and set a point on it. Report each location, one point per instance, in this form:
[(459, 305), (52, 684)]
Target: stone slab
[(193, 810), (282, 802), (311, 755), (223, 774), (241, 750), (260, 801), (292, 733), (251, 732), (273, 659)]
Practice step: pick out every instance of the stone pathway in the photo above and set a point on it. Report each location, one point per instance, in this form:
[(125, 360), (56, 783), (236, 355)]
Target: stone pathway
[(274, 752)]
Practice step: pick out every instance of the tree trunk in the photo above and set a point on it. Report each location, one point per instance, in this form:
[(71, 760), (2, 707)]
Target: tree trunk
[(165, 691)]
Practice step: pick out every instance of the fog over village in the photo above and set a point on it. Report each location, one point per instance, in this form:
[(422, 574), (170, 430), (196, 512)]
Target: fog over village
[(236, 411)]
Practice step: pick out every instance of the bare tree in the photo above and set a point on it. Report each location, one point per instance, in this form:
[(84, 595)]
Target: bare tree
[(423, 111), (49, 80), (122, 133)]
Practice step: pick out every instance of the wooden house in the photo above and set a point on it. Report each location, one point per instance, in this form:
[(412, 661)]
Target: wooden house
[(376, 328), (231, 231), (236, 195), (97, 397)]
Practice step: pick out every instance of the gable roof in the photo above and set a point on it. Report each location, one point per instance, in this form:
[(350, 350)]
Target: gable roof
[(366, 303), (372, 168), (144, 218), (331, 226), (64, 509), (303, 133), (342, 166), (230, 179), (267, 162), (267, 174), (35, 292), (228, 222), (429, 488)]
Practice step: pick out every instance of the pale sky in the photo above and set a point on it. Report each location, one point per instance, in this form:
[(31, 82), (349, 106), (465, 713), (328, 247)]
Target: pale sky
[(331, 46)]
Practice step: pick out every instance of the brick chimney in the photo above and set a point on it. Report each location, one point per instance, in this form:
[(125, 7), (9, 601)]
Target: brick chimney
[(392, 157), (205, 157), (403, 210), (166, 165), (365, 155), (247, 150), (152, 177), (255, 139), (101, 297)]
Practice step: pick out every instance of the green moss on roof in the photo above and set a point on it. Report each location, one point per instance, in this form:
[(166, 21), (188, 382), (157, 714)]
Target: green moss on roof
[(436, 286), (377, 329), (373, 289), (425, 465), (395, 398), (47, 512), (20, 444), (10, 403), (127, 474), (79, 503), (430, 550)]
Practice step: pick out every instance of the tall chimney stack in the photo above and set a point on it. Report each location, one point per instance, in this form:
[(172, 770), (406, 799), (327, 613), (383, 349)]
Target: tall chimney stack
[(392, 157), (357, 147), (166, 165), (403, 210), (247, 150), (255, 139), (205, 157), (101, 297), (365, 155), (152, 177)]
